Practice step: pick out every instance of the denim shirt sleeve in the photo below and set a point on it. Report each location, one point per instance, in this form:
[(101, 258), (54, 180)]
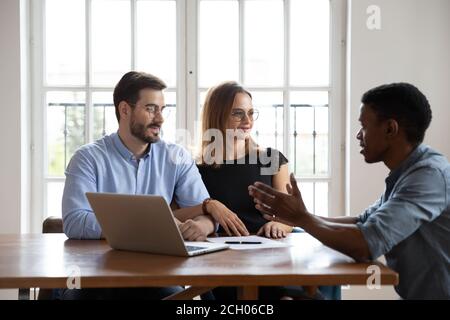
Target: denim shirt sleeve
[(189, 189), (79, 221), (420, 197), (365, 215)]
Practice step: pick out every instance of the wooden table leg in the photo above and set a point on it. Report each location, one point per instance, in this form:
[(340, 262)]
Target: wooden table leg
[(311, 290), (247, 293)]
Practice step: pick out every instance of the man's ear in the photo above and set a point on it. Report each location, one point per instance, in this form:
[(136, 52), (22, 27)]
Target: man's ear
[(124, 109), (392, 128)]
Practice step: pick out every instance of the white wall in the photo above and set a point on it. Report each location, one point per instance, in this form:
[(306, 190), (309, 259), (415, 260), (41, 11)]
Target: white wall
[(12, 191), (413, 45), (10, 136)]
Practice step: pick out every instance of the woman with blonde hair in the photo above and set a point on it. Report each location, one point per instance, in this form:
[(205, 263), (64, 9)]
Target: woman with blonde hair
[(230, 160)]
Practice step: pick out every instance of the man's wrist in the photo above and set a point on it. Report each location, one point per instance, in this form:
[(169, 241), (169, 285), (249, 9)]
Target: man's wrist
[(305, 220)]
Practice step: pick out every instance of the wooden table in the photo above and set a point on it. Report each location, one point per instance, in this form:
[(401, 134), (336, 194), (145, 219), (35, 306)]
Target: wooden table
[(46, 261)]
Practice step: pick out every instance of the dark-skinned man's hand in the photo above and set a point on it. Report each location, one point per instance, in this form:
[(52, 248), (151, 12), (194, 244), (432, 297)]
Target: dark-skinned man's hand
[(278, 206)]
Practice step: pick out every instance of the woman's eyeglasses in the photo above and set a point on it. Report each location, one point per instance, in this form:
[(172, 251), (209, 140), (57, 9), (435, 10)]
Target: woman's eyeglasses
[(239, 114)]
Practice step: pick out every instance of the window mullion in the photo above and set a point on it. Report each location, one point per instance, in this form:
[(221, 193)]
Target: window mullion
[(286, 92), (88, 111), (181, 58), (192, 66), (241, 41), (133, 34)]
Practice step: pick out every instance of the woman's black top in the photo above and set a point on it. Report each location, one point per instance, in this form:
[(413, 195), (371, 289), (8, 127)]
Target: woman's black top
[(229, 184)]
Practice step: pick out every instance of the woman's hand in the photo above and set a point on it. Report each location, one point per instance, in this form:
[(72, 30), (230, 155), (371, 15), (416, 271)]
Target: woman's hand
[(275, 230), (229, 221)]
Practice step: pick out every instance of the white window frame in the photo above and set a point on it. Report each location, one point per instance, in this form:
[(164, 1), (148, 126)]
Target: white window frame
[(187, 93), (39, 90), (336, 137)]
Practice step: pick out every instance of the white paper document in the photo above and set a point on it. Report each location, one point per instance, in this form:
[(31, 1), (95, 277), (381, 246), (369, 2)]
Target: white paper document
[(249, 242)]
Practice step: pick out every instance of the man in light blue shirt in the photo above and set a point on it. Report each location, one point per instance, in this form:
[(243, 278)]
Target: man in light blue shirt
[(107, 165), (410, 223), (135, 161)]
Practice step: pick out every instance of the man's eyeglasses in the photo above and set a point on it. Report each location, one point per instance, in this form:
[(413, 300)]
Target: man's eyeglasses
[(239, 114), (154, 109)]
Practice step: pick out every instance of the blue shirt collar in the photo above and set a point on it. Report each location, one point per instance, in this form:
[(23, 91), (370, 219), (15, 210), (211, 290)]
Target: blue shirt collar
[(124, 151), (408, 162)]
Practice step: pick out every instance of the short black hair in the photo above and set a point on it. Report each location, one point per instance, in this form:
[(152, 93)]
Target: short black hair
[(128, 88), (404, 103)]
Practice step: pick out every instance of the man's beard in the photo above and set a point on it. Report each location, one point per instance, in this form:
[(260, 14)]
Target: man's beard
[(138, 130)]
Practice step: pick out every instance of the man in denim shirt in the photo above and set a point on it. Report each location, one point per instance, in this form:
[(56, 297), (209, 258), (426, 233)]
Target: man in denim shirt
[(410, 223)]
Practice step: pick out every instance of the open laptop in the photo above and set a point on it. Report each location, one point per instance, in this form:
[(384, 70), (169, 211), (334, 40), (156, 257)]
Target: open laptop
[(143, 223)]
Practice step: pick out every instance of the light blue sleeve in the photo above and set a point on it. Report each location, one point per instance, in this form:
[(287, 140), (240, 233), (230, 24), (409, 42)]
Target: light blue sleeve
[(79, 221), (189, 188), (419, 198), (365, 215)]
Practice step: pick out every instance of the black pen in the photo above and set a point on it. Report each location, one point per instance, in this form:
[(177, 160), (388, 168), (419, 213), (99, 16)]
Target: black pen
[(243, 242)]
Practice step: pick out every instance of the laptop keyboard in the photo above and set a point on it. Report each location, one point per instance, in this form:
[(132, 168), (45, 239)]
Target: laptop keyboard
[(193, 248)]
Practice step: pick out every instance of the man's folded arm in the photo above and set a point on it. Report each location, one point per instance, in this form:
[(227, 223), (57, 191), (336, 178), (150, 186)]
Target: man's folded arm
[(79, 221), (208, 223)]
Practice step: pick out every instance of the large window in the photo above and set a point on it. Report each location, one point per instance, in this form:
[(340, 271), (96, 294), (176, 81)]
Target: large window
[(283, 51), (288, 54)]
